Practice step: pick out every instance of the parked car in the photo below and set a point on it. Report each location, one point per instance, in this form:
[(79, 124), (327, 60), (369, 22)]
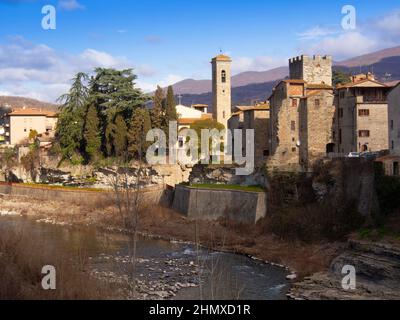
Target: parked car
[(370, 155), (354, 155)]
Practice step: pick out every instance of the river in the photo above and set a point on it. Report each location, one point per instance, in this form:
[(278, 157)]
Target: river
[(165, 270)]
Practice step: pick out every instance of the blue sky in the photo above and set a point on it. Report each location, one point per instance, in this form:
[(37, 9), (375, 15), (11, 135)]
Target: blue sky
[(169, 40)]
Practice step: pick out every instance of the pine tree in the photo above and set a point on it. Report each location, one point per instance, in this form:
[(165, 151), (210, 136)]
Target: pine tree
[(92, 135), (157, 113), (140, 125)]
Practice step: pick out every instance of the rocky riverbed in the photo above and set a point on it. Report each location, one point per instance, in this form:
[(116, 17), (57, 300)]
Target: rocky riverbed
[(155, 278), (377, 268)]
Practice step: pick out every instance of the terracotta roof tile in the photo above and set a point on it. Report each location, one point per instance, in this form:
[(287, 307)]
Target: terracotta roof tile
[(32, 112), (222, 57)]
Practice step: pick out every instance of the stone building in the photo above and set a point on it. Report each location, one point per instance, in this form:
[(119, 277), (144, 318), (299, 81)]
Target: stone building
[(361, 115), (254, 117), (302, 114), (394, 120), (221, 88), (391, 162)]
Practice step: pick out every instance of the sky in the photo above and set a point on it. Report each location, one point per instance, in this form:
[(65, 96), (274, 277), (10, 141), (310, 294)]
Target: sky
[(166, 41)]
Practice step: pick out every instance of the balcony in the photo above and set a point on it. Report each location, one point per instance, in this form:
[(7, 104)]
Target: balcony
[(371, 99)]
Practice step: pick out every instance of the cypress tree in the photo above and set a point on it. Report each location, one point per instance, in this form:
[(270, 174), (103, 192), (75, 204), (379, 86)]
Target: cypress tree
[(140, 125), (92, 135), (157, 113), (170, 112), (120, 136)]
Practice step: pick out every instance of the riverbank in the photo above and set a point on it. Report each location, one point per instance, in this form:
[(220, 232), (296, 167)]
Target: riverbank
[(303, 259)]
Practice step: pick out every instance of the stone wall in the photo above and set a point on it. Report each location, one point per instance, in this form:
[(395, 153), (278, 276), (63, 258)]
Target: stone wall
[(315, 69), (394, 120), (147, 197), (316, 121), (211, 204)]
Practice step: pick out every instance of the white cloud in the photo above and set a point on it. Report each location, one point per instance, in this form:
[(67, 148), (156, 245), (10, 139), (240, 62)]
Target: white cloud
[(170, 79), (102, 59), (70, 5), (371, 35), (316, 33), (38, 71), (261, 63), (390, 23), (345, 45)]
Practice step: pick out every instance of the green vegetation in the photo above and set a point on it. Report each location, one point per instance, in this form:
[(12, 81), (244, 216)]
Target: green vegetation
[(229, 187), (104, 116), (340, 77), (199, 125)]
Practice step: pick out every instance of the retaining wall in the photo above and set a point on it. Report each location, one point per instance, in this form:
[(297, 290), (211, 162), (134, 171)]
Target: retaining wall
[(100, 198), (211, 204)]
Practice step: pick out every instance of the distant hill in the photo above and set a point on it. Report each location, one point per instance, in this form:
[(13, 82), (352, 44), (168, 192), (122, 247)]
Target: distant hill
[(384, 64), (20, 102), (250, 86), (191, 86), (244, 95)]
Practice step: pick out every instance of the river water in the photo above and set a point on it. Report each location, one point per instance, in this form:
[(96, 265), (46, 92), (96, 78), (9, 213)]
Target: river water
[(164, 270)]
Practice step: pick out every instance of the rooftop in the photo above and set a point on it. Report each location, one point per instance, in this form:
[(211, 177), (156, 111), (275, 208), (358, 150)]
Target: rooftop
[(222, 57), (193, 120), (31, 112)]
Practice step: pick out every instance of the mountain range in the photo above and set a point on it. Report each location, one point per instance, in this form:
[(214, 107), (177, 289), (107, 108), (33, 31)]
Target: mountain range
[(251, 86)]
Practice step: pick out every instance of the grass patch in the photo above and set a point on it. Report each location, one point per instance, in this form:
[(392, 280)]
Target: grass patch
[(229, 187), (53, 187)]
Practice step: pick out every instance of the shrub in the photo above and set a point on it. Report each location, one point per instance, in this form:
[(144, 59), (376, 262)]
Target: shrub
[(315, 222)]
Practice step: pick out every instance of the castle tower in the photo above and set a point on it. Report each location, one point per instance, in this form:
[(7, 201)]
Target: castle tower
[(315, 70), (221, 88)]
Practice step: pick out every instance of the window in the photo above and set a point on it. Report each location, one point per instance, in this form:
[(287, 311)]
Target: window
[(294, 103), (363, 133), (223, 76), (266, 153), (340, 112), (180, 142), (316, 103), (363, 112), (294, 149), (293, 125), (340, 136), (391, 125)]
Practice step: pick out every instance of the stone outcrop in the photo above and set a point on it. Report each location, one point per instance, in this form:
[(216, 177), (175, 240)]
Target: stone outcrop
[(87, 176), (209, 174), (377, 275)]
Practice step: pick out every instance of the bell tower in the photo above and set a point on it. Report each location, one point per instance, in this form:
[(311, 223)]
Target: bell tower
[(221, 88)]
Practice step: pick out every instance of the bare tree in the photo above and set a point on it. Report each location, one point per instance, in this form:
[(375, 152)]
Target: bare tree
[(127, 195)]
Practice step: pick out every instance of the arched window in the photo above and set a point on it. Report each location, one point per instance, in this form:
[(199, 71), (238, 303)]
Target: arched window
[(223, 76)]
